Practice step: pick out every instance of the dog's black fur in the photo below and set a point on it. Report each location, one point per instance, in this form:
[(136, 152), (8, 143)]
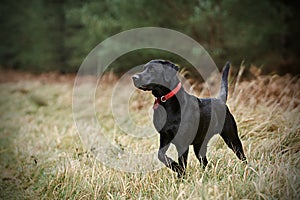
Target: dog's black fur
[(184, 119)]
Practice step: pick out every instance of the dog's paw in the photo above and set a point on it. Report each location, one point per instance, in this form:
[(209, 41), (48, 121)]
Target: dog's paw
[(178, 169), (181, 175)]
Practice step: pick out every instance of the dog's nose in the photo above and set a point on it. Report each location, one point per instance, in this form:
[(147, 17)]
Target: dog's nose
[(135, 77)]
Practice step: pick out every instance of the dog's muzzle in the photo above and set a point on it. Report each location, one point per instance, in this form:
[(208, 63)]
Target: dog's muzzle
[(136, 80), (142, 83)]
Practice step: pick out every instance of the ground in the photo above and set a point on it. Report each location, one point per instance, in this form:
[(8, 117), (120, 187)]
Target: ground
[(42, 154)]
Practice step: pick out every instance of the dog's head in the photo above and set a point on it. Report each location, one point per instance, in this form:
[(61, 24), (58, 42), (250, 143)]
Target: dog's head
[(157, 75)]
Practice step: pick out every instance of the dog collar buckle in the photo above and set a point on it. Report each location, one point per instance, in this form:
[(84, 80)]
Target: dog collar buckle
[(164, 98)]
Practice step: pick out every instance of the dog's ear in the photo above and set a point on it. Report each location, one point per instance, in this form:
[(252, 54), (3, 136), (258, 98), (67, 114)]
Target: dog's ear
[(175, 66), (172, 65), (171, 70)]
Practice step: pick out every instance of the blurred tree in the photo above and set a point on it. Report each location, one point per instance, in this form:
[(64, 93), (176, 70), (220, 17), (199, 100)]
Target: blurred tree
[(11, 28), (34, 37), (238, 30), (41, 35)]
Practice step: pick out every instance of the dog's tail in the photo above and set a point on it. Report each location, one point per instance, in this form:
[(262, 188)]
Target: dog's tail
[(224, 84)]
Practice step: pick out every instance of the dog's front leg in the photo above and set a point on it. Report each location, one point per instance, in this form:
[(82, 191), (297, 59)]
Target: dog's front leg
[(169, 162)]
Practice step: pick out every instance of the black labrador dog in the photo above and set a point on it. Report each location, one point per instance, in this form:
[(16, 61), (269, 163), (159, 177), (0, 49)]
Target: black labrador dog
[(183, 119)]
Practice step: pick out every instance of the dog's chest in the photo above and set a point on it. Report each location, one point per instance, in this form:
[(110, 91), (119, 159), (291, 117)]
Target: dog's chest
[(166, 121)]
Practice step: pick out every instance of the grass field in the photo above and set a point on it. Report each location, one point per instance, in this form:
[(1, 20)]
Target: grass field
[(42, 155)]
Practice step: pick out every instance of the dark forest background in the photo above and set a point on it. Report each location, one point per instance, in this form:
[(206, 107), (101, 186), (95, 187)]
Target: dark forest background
[(41, 36)]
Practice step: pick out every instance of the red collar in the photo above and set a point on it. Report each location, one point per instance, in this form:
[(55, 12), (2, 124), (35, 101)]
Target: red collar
[(164, 98)]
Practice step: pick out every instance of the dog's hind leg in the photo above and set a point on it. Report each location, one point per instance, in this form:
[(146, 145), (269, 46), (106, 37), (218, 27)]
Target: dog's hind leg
[(201, 155), (182, 160), (231, 138)]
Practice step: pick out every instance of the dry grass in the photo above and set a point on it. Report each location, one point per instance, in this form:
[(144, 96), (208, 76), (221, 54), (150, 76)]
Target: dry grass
[(42, 155)]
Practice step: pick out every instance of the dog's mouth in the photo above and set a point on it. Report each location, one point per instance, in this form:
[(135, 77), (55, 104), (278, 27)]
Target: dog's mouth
[(144, 88)]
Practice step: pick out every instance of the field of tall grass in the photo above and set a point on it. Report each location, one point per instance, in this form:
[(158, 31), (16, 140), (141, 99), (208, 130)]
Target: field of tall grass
[(42, 155)]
